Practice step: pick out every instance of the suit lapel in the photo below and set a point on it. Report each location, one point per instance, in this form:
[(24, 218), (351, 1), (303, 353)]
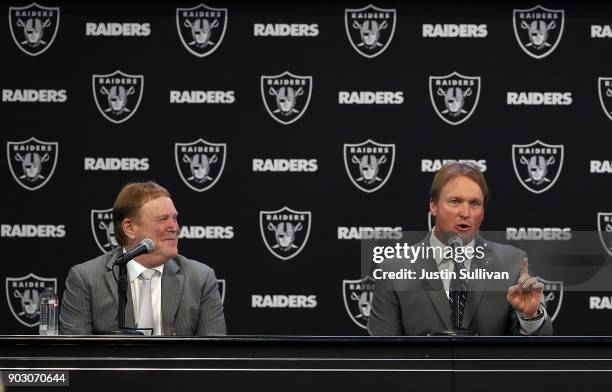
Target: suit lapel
[(172, 289), (477, 287), (436, 292), (113, 288)]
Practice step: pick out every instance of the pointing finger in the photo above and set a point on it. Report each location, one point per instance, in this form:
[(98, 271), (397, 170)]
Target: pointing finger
[(525, 266)]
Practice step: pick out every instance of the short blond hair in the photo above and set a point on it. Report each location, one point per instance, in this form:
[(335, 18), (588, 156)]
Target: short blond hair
[(457, 169), (129, 200)]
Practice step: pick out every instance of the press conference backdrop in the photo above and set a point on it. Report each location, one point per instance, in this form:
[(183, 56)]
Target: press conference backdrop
[(287, 131)]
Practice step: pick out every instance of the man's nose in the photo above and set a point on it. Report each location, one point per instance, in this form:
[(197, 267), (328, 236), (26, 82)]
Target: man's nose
[(464, 210)]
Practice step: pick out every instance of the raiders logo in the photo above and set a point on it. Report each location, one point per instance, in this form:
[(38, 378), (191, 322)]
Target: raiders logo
[(370, 29), (23, 296), (221, 285), (604, 227), (117, 95), (200, 163), (538, 30), (103, 229), (553, 297), (369, 164), (285, 231), (286, 96), (32, 162), (604, 87), (357, 296), (454, 96), (537, 165), (34, 27), (201, 29)]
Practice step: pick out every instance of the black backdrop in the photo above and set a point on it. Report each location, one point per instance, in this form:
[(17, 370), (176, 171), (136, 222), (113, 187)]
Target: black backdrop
[(233, 203)]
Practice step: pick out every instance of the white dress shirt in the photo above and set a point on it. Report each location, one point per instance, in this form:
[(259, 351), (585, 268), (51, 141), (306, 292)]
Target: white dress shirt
[(527, 327), (134, 270)]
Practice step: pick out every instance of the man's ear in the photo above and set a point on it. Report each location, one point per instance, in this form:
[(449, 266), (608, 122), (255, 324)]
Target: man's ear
[(128, 228), (433, 207)]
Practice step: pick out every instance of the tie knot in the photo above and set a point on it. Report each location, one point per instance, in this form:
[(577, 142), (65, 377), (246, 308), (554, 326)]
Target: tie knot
[(147, 274)]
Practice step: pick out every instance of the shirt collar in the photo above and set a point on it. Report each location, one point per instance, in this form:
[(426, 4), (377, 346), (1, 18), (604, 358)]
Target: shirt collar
[(134, 269), (436, 243)]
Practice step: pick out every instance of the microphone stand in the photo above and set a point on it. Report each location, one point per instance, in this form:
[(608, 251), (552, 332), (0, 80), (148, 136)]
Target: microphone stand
[(122, 288)]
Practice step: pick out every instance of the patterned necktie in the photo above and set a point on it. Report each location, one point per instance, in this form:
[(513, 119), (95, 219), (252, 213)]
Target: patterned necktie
[(145, 304), (457, 295)]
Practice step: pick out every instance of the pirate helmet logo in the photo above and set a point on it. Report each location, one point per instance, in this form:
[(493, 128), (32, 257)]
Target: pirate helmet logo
[(286, 96), (604, 87), (369, 164), (538, 30), (537, 165), (357, 295), (553, 297), (200, 163), (103, 229), (604, 227), (34, 27), (201, 29), (370, 29), (117, 95), (23, 296), (285, 231), (454, 96), (32, 162)]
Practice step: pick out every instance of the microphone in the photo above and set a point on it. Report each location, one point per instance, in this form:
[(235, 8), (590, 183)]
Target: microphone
[(145, 246), (455, 242)]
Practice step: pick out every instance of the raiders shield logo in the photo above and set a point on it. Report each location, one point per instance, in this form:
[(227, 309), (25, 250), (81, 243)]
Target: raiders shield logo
[(32, 162), (285, 231), (454, 96), (357, 296), (117, 95), (286, 96), (537, 165), (221, 286), (34, 27), (200, 163), (553, 297), (604, 227), (23, 296), (201, 29), (604, 86), (103, 230), (538, 30), (369, 164), (370, 29)]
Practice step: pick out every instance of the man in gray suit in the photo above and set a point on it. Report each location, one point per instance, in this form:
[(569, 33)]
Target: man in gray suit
[(167, 294), (507, 301)]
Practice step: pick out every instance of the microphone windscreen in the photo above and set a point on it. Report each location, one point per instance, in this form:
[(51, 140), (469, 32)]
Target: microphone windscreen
[(149, 244)]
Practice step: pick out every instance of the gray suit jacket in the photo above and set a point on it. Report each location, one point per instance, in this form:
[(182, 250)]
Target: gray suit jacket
[(191, 303), (420, 307)]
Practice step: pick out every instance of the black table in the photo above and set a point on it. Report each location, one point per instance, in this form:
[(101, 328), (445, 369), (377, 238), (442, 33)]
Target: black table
[(307, 363)]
